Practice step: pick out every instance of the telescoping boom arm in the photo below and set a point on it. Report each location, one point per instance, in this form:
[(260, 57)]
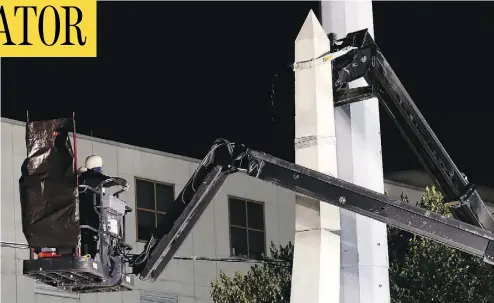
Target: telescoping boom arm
[(353, 57), (227, 158)]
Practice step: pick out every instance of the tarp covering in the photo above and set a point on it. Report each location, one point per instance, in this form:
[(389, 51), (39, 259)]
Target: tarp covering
[(48, 187)]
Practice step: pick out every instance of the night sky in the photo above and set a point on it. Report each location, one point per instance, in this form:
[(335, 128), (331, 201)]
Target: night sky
[(173, 76)]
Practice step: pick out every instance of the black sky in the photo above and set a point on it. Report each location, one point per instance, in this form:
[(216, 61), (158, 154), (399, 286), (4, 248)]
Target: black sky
[(174, 76)]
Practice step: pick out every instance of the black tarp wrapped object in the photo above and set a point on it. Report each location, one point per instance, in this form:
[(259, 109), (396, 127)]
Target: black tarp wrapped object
[(48, 185)]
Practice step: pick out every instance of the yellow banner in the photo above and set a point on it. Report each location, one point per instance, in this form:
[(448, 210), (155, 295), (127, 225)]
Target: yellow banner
[(48, 28)]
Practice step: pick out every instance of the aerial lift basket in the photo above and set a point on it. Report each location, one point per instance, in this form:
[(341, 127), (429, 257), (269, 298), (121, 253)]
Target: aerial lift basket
[(49, 197)]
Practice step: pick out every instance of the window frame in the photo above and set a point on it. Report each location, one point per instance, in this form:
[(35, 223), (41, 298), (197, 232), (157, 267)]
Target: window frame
[(246, 228), (156, 212)]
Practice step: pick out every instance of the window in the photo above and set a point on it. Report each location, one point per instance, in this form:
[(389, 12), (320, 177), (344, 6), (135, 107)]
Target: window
[(153, 200), (247, 237)]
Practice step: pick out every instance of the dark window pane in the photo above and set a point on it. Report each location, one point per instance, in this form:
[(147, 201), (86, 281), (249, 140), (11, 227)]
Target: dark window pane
[(164, 197), (256, 244), (238, 241), (145, 224), (255, 213), (237, 212), (160, 217), (145, 194)]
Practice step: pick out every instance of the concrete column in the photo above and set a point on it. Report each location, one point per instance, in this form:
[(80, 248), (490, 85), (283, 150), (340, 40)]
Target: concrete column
[(316, 268), (364, 251)]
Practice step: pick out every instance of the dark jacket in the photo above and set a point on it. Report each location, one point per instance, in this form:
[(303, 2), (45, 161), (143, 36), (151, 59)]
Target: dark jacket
[(88, 215)]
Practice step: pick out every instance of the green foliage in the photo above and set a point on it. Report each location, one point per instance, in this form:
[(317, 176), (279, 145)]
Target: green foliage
[(420, 271), (266, 283), (424, 271)]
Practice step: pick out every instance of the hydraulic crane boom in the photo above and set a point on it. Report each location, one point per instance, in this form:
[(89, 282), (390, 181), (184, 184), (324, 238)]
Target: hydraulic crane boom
[(358, 56), (227, 158), (366, 60)]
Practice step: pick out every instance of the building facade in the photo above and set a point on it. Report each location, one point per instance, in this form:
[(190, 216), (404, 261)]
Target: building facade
[(243, 219), (245, 216)]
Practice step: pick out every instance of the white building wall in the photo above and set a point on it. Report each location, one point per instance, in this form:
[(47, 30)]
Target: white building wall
[(188, 281)]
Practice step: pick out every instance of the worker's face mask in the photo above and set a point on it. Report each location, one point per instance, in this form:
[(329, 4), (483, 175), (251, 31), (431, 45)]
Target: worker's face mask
[(98, 169)]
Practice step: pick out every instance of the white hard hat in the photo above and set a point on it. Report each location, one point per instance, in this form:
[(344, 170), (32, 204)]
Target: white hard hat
[(93, 162)]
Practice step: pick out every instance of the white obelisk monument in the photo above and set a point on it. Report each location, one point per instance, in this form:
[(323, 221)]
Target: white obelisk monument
[(316, 269), (364, 250)]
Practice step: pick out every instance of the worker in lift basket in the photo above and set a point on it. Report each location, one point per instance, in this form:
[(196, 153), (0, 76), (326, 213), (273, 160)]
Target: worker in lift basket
[(90, 175)]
